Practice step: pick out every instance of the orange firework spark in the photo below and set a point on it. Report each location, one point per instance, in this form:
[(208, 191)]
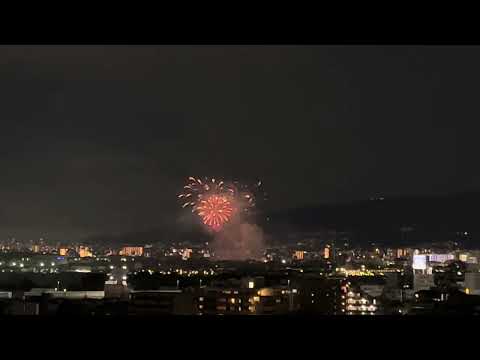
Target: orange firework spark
[(215, 211), (215, 201)]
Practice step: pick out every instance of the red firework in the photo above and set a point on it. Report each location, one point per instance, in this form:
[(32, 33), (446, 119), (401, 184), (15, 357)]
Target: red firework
[(216, 202), (215, 211)]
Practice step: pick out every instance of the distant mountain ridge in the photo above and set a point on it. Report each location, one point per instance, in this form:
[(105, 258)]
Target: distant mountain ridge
[(429, 218), (424, 218)]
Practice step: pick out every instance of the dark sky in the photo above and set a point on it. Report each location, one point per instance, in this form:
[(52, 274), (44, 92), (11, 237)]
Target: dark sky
[(100, 139)]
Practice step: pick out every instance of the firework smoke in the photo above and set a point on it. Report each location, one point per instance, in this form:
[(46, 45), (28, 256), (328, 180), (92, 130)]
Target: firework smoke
[(240, 241)]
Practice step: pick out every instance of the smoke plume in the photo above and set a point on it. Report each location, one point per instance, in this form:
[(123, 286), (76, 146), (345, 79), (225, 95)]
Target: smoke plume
[(239, 241)]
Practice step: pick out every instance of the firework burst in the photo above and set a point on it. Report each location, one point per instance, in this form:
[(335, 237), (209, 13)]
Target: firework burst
[(216, 202), (215, 211)]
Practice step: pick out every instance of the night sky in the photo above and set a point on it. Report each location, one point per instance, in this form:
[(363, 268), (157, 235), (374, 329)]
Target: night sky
[(100, 139)]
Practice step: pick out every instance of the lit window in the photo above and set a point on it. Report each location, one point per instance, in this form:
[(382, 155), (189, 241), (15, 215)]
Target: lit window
[(251, 284), (200, 298)]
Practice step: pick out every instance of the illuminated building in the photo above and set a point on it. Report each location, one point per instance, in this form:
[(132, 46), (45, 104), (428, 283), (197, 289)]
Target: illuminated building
[(357, 303), (64, 294), (187, 253), (116, 283), (36, 248), (299, 254), (326, 252), (252, 282), (131, 251), (468, 258), (472, 283), (63, 251), (246, 301), (423, 264), (84, 251)]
